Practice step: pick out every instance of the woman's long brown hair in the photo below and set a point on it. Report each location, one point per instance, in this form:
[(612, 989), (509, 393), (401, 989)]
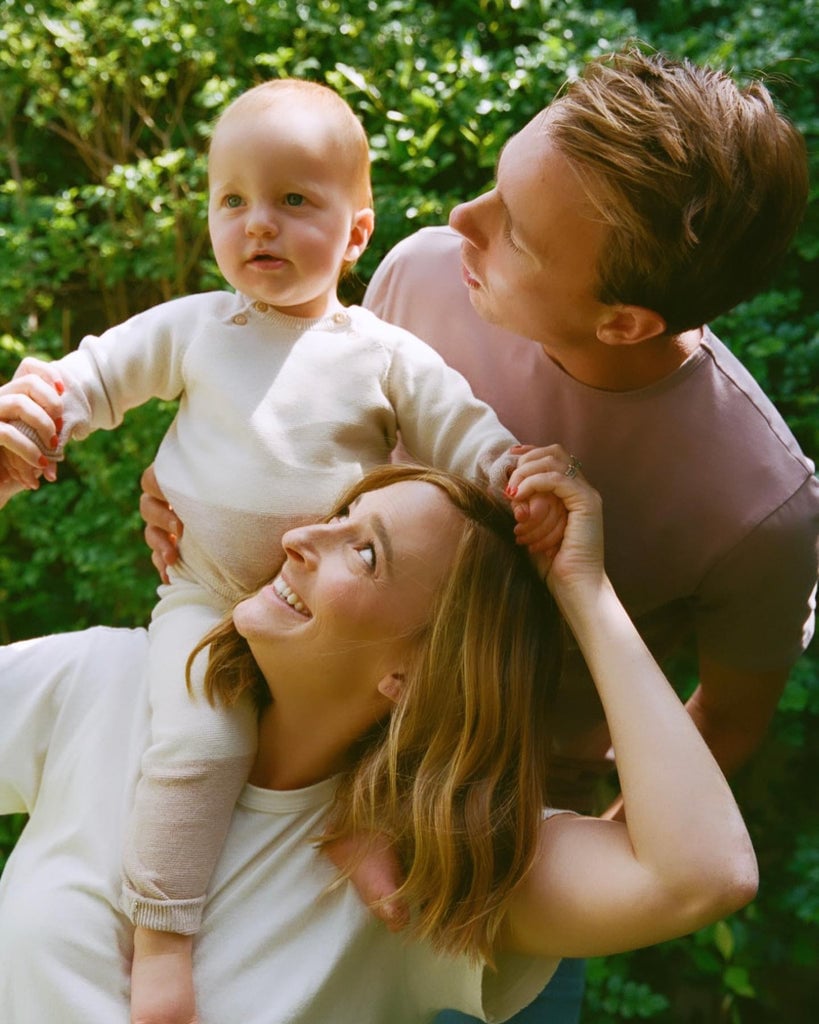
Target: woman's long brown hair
[(456, 777)]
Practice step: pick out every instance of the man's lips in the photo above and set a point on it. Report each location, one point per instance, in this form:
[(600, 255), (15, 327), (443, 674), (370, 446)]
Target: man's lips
[(469, 280)]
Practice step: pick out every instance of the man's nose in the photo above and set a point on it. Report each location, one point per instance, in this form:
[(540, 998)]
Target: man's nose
[(470, 219)]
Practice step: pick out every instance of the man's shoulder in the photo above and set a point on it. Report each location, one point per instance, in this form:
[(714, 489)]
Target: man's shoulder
[(745, 414), (426, 257), (435, 240)]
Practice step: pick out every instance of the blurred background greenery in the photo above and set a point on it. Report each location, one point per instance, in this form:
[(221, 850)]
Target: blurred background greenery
[(105, 114)]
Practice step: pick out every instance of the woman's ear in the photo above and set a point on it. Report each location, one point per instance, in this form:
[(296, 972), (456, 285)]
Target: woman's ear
[(360, 231), (392, 686), (629, 325)]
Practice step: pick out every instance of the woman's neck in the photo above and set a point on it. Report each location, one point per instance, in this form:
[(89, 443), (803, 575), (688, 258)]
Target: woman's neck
[(305, 741)]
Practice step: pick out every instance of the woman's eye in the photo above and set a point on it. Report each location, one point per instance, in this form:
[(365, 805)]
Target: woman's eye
[(293, 199), (232, 202), (367, 554)]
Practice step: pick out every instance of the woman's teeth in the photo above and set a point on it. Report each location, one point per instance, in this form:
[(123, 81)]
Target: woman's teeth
[(290, 596)]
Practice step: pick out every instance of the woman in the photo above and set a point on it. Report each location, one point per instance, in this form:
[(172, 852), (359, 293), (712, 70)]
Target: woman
[(397, 661)]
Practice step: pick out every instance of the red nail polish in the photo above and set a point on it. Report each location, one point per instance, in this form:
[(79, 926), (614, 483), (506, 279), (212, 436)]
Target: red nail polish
[(59, 387), (42, 462), (54, 441), (58, 423)]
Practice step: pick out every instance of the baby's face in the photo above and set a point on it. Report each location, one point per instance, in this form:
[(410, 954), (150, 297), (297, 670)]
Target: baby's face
[(283, 211)]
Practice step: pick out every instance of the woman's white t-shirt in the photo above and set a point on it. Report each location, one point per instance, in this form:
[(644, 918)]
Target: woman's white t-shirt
[(274, 947)]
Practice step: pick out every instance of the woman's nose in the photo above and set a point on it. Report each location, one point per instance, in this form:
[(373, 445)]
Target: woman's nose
[(304, 543)]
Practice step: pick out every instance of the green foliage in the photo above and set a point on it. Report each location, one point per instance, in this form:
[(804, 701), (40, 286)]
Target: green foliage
[(107, 109)]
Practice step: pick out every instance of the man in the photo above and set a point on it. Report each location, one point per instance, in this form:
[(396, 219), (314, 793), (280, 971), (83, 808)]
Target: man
[(648, 198)]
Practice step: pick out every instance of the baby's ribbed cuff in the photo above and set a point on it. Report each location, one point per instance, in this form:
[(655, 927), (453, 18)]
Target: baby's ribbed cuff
[(180, 916), (54, 454)]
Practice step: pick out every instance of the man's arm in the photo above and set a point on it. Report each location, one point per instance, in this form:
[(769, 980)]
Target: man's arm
[(732, 708)]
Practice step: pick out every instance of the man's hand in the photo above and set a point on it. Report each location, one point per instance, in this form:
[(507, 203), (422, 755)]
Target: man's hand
[(376, 874), (162, 527)]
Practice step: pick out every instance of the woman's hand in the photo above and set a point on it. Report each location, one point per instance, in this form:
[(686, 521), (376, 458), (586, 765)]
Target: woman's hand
[(162, 527), (578, 559), (33, 399)]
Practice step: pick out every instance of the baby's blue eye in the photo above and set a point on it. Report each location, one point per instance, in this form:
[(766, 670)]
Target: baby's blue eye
[(233, 201), (294, 199)]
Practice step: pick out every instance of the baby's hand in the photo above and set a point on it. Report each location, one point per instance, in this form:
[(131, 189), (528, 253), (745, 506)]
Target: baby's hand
[(162, 979), (541, 518)]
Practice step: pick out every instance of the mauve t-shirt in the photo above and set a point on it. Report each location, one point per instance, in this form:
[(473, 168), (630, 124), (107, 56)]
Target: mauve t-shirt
[(711, 509)]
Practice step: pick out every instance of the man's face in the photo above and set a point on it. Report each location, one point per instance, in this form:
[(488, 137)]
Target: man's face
[(531, 246)]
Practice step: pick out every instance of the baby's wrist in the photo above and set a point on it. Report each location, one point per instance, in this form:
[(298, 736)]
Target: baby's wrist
[(150, 942)]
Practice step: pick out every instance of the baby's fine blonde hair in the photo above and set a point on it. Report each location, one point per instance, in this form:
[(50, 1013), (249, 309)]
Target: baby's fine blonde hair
[(350, 137)]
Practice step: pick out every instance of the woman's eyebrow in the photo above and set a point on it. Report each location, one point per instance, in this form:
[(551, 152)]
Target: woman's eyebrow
[(381, 532)]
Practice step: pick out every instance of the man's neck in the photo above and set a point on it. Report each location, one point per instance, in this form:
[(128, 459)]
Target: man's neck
[(628, 367)]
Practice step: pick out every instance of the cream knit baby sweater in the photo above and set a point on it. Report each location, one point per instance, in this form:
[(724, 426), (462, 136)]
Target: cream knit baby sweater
[(277, 417)]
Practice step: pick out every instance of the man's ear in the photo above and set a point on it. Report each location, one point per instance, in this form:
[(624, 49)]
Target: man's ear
[(392, 686), (629, 325), (360, 232)]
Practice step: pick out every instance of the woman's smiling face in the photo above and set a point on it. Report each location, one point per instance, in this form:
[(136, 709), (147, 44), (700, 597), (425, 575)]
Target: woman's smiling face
[(353, 592)]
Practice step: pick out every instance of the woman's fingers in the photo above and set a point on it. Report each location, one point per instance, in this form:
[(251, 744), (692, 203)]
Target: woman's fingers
[(577, 554), (48, 374), (30, 410), (35, 402), (549, 458)]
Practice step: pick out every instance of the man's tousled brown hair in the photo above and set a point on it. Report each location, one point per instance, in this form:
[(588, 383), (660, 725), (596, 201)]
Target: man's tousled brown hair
[(702, 182)]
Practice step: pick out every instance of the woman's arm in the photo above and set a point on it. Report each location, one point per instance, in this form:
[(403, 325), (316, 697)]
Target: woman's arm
[(684, 857)]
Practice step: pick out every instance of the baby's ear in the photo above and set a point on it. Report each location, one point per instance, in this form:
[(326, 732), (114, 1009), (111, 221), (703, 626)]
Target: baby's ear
[(392, 686), (360, 232)]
